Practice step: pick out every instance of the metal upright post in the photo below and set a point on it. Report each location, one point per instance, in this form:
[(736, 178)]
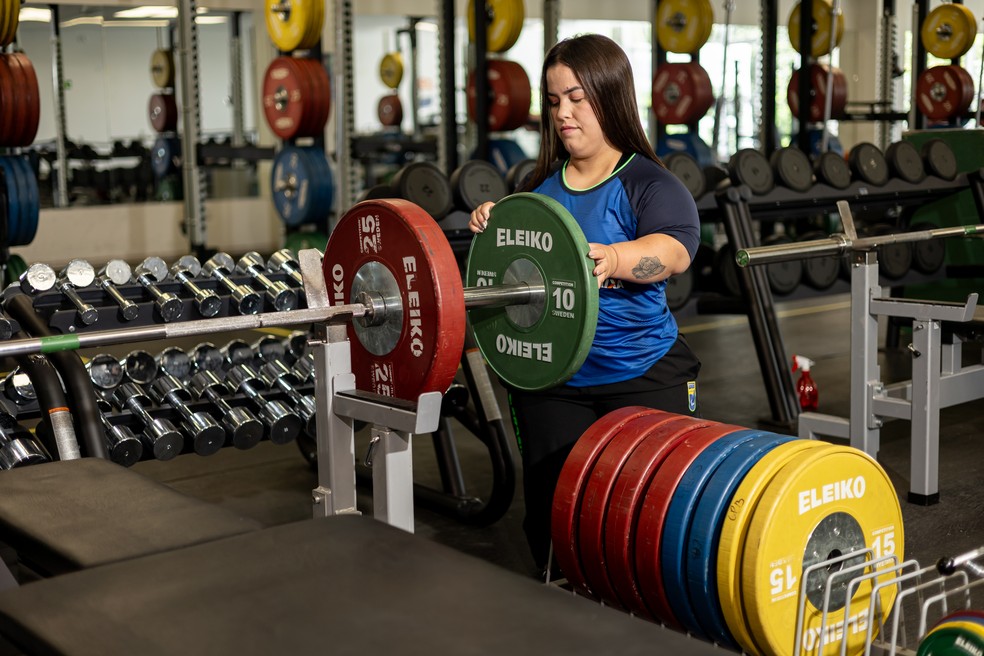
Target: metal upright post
[(193, 176), (344, 103), (414, 73), (236, 64), (58, 84), (770, 23), (448, 136), (481, 82), (865, 428), (551, 24)]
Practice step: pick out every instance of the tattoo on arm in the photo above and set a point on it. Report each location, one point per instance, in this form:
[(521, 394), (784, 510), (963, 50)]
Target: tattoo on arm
[(648, 267)]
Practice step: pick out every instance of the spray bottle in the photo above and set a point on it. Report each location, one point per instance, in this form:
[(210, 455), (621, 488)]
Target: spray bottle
[(806, 388)]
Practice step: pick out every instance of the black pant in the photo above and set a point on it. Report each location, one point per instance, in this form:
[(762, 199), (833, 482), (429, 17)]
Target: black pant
[(549, 422)]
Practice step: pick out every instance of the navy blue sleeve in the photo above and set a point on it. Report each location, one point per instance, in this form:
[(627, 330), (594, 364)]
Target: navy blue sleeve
[(661, 203)]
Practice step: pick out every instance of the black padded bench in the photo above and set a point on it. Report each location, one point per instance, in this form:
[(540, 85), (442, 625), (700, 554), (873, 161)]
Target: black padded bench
[(342, 585), (70, 515)]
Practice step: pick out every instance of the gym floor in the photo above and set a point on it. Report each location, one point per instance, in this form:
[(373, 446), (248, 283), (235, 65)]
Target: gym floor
[(274, 483)]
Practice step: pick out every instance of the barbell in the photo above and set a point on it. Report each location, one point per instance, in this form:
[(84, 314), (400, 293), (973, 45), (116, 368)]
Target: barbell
[(390, 273)]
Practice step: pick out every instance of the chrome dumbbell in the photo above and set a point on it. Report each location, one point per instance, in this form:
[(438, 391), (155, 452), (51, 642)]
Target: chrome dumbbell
[(206, 357), (284, 425), (17, 446), (174, 361), (150, 272), (296, 346), (38, 278), (304, 368), (204, 433), (17, 387), (245, 299), (124, 447), (77, 274), (105, 371), (281, 296), (159, 435), (244, 429), (269, 348), (277, 374), (118, 272), (236, 352), (185, 270), (140, 367), (284, 260)]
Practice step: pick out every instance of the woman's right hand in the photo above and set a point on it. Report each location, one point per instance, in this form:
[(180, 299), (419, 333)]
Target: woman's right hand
[(480, 217)]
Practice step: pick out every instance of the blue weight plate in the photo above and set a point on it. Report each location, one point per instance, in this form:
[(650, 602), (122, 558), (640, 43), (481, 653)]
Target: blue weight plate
[(324, 184), (504, 153), (12, 191), (291, 182), (19, 202), (163, 154), (31, 205), (705, 531), (676, 527)]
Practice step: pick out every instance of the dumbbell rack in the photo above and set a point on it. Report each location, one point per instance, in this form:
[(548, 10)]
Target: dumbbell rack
[(394, 421)]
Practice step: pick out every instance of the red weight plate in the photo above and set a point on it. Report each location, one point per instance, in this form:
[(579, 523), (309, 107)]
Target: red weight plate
[(7, 99), (390, 110), (321, 97), (19, 109), (682, 93), (399, 244), (565, 513), (310, 123), (596, 501), (818, 92), (652, 513), (943, 92), (286, 98), (509, 95), (163, 112), (625, 504), (30, 98)]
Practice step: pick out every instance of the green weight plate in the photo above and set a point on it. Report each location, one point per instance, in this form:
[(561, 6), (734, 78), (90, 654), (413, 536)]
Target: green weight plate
[(15, 267), (533, 238), (297, 241), (952, 640)]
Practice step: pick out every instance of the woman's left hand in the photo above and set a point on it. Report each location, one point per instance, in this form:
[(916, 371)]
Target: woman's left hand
[(606, 261)]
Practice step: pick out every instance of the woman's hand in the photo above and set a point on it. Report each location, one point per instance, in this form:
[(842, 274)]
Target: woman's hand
[(480, 217), (606, 261)]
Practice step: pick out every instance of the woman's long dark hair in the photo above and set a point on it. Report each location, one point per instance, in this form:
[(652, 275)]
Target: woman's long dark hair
[(604, 72)]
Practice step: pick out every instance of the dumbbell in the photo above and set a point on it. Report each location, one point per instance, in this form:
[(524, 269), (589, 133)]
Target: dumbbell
[(243, 427), (206, 357), (76, 274), (17, 446), (185, 270), (236, 352), (281, 296), (221, 266), (277, 374), (118, 272), (205, 434), (164, 440), (150, 272), (38, 278), (174, 361), (269, 348), (304, 368), (140, 367), (105, 371), (284, 260), (284, 425), (295, 346), (17, 387), (124, 447)]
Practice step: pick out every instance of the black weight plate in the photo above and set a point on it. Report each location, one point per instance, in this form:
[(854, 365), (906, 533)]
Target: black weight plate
[(685, 167), (894, 260), (425, 185), (819, 272), (518, 172), (868, 163), (784, 277), (939, 159), (750, 167), (905, 162), (727, 270), (927, 255), (792, 169), (679, 288), (714, 176), (832, 169), (476, 182), (376, 192)]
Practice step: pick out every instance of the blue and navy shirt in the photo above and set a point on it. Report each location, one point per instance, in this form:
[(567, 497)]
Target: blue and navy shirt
[(635, 326)]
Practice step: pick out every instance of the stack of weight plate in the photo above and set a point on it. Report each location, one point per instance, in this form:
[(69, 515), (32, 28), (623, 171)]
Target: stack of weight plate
[(710, 528), (509, 88), (960, 632), (19, 116), (165, 154), (944, 93), (296, 104)]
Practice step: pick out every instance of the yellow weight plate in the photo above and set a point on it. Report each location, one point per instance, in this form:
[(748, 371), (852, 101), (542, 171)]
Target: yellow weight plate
[(505, 22), (11, 18), (684, 25), (975, 628), (823, 503), (294, 24), (949, 31), (820, 43), (391, 69), (734, 530), (162, 68)]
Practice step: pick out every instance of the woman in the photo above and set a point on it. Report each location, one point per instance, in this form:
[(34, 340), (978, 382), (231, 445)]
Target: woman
[(642, 227)]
